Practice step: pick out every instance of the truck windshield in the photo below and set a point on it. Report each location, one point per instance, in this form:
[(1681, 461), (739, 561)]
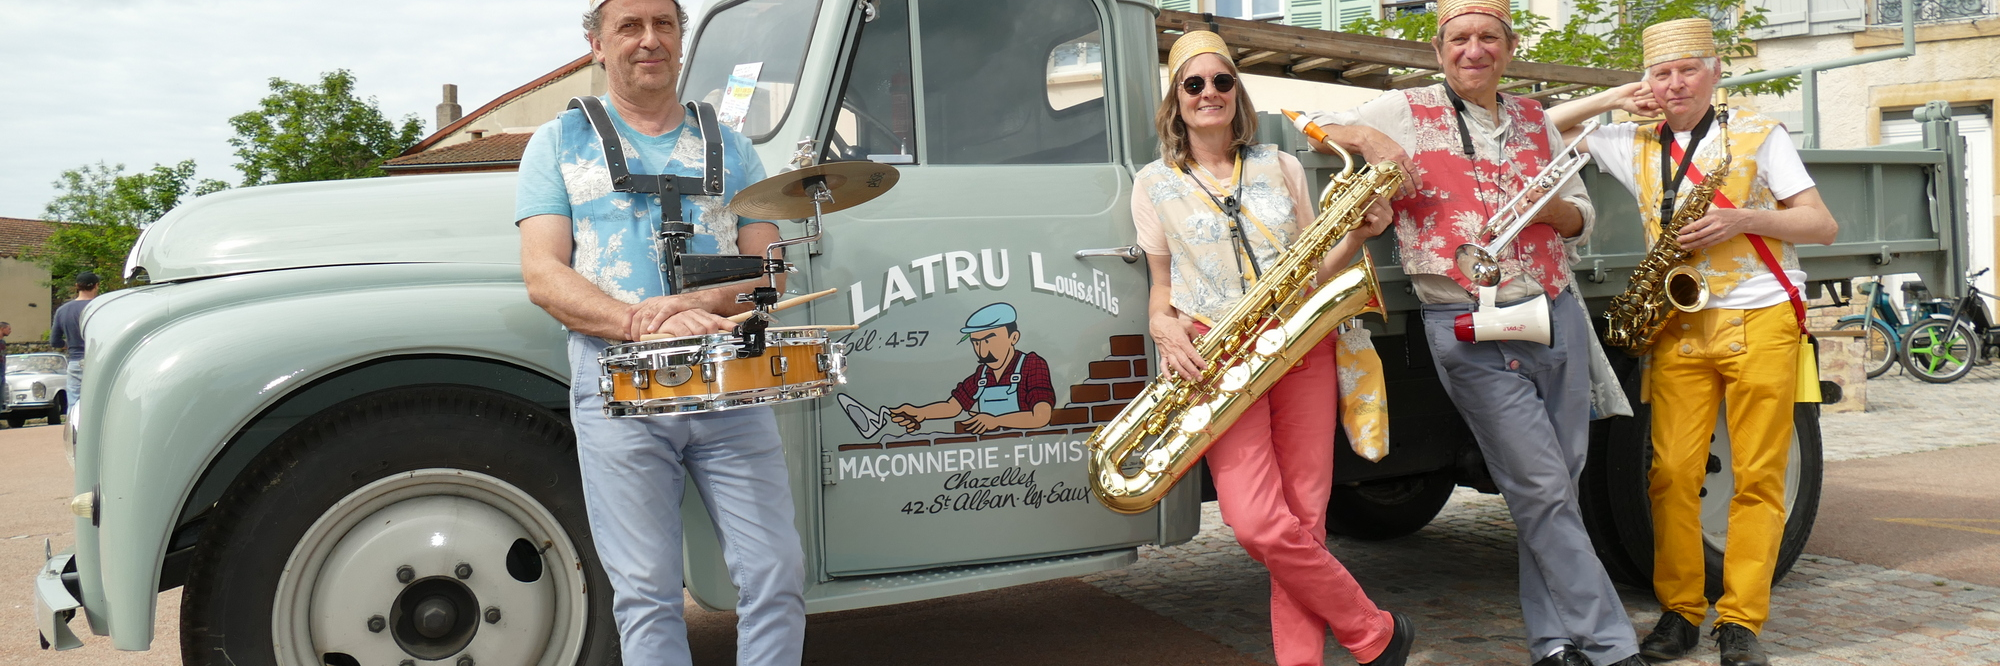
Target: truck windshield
[(760, 43)]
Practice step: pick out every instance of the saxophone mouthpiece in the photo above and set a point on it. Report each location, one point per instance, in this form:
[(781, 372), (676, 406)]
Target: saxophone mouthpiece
[(1306, 125)]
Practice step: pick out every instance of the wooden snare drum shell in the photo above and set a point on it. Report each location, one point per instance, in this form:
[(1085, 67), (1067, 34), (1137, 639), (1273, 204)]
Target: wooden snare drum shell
[(801, 365)]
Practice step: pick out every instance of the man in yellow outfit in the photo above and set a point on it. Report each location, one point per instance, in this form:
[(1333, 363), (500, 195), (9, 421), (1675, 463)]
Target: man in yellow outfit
[(1741, 350)]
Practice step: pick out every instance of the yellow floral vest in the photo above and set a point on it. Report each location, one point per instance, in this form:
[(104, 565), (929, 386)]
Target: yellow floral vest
[(1735, 260)]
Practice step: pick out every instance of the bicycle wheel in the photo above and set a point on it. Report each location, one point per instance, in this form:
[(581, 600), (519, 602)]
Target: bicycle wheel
[(1881, 352), (1937, 357)]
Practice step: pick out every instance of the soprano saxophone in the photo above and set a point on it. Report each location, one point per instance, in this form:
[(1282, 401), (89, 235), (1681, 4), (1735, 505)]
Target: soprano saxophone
[(1664, 283), (1139, 455)]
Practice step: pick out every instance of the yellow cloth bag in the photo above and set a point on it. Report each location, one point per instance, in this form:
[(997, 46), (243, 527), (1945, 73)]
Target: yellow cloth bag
[(1364, 398)]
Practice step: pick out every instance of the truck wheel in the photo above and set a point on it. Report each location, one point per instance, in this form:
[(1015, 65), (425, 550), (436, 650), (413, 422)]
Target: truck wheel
[(1620, 517), (1387, 508), (426, 524)]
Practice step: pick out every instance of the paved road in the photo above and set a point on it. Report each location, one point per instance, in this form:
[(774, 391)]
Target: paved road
[(1924, 598)]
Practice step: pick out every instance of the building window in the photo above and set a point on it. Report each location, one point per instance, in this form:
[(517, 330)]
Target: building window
[(1394, 8), (1931, 11), (1254, 10)]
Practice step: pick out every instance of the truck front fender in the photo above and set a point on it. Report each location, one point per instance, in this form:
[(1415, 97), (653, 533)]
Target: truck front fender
[(181, 378)]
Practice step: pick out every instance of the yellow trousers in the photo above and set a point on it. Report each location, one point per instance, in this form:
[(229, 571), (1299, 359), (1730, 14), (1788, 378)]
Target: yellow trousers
[(1748, 359)]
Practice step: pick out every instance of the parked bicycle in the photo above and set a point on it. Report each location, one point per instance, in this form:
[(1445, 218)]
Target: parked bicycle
[(1944, 347), (1887, 325)]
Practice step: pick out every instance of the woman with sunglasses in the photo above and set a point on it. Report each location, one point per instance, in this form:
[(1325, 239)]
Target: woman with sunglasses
[(1212, 214)]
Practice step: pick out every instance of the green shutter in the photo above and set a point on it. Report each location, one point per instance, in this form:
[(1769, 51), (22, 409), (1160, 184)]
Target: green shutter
[(1307, 14), (1520, 6), (1178, 5), (1350, 11)]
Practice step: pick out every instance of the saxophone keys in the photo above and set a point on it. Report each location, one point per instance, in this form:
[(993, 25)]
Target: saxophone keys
[(1270, 342), (1156, 461), (1195, 418), (1235, 378)]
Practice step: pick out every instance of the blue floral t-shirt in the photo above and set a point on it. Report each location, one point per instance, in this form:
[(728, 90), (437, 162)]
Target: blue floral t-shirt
[(563, 173)]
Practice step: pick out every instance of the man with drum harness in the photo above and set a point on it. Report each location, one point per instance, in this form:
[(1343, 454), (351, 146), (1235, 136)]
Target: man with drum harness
[(1470, 151), (592, 256), (1741, 347)]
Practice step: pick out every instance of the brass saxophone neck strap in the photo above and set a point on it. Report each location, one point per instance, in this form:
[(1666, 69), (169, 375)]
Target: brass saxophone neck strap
[(1670, 176)]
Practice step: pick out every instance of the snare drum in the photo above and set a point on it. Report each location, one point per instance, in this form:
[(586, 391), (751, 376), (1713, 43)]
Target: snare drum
[(702, 373)]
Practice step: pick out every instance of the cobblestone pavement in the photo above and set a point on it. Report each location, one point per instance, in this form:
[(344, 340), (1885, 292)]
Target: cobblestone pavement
[(1456, 577), (1906, 415)]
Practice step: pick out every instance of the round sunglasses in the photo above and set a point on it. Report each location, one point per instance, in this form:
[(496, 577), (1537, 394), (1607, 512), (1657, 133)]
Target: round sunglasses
[(1224, 82)]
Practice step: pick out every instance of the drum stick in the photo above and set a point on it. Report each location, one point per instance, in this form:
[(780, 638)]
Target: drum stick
[(784, 304)]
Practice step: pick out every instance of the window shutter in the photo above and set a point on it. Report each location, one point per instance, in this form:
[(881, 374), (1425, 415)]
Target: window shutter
[(1784, 18), (1178, 5), (1519, 6), (1307, 14), (1835, 16), (1349, 11)]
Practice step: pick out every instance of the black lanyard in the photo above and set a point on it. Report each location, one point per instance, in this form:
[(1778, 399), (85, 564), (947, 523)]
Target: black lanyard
[(1670, 178), (1232, 206), (1458, 105)]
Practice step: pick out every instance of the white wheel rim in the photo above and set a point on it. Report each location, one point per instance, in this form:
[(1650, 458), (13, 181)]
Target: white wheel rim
[(1721, 485), (323, 603)]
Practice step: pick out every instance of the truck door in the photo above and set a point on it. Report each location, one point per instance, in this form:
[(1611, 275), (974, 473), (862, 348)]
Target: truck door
[(987, 349)]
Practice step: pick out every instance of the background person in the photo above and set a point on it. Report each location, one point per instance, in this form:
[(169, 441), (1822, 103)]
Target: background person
[(1471, 149), (1273, 469), (1743, 348), (588, 258), (66, 334)]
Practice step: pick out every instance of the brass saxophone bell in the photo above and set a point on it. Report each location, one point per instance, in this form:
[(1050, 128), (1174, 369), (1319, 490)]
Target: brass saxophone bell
[(1687, 289)]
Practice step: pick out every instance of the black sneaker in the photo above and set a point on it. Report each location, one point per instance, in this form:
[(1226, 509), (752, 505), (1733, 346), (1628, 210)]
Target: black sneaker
[(1739, 646), (1671, 639), (1398, 652), (1567, 656)]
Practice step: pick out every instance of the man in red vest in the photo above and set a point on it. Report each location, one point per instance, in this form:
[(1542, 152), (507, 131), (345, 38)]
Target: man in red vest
[(1470, 150), (1741, 348)]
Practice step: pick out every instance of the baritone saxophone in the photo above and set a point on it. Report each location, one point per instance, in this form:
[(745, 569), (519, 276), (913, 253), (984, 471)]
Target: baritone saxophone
[(1139, 455)]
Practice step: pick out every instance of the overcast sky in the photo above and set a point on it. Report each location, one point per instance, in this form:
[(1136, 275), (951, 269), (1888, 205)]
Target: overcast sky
[(144, 82)]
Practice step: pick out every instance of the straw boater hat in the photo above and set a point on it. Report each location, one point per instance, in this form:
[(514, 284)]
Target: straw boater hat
[(1668, 41), (1194, 43), (1451, 9)]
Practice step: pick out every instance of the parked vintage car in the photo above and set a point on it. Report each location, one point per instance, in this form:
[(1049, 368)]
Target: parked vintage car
[(35, 388)]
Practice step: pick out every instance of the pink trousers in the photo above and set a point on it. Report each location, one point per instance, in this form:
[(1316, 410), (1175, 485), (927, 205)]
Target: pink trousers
[(1273, 472)]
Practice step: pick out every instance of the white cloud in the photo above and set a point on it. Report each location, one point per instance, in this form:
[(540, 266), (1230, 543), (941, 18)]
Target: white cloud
[(141, 82)]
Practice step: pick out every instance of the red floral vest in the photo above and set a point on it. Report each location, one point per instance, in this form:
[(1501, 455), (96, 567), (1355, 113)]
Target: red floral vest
[(1459, 193)]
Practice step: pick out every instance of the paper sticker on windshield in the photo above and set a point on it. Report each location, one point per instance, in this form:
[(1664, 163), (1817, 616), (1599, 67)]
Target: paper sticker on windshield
[(736, 99)]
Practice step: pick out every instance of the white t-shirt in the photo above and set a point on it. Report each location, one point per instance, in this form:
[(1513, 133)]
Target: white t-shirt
[(1778, 167)]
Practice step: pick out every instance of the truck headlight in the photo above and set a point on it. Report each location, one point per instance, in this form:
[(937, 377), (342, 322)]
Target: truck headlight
[(41, 392)]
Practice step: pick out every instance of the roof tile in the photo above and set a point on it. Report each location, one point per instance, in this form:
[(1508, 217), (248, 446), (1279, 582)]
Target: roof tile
[(17, 235)]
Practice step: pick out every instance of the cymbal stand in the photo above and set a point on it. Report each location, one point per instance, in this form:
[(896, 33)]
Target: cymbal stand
[(752, 329)]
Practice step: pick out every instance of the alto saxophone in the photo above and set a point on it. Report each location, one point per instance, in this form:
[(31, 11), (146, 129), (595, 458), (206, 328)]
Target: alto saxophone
[(1139, 455), (1663, 282)]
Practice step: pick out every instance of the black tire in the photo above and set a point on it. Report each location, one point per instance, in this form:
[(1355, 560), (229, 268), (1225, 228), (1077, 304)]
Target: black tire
[(1387, 508), (230, 610), (1621, 521), (16, 421), (1882, 349), (58, 409), (1931, 356)]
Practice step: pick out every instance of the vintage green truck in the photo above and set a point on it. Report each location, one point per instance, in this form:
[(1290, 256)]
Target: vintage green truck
[(333, 395)]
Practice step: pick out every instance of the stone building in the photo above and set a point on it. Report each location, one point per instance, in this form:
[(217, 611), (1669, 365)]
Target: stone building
[(26, 301)]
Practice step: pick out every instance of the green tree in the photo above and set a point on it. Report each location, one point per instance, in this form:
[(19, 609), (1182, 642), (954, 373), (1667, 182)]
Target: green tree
[(303, 132), (106, 208), (1606, 33)]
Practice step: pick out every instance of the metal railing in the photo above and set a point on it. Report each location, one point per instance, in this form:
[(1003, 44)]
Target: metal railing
[(1933, 11)]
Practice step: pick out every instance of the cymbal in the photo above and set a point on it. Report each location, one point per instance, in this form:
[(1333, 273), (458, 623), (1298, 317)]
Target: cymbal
[(784, 196)]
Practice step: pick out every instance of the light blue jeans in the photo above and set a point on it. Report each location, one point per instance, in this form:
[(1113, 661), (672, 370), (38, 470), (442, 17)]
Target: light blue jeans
[(73, 389), (634, 473)]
